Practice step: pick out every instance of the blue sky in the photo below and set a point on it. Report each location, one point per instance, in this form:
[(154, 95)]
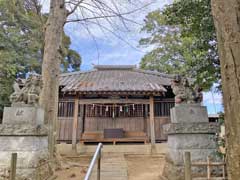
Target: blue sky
[(100, 46), (106, 48)]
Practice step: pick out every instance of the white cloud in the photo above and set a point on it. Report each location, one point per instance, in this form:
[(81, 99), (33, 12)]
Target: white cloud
[(130, 34), (112, 49), (213, 101), (45, 5), (212, 98), (118, 48)]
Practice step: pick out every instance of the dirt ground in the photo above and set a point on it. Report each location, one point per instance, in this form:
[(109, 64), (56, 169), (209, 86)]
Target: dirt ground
[(139, 167), (72, 168), (142, 167)]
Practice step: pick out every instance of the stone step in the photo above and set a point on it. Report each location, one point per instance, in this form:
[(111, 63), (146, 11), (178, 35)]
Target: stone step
[(88, 150), (123, 148), (109, 178), (113, 167)]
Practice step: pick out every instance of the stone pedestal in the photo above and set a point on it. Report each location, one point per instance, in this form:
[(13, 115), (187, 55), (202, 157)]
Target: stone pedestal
[(24, 133), (23, 115), (190, 131)]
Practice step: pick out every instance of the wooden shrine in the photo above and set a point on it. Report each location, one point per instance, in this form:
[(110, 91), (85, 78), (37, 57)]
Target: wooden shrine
[(130, 103)]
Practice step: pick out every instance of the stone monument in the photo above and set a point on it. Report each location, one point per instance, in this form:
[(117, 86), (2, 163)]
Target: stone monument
[(23, 131), (189, 130)]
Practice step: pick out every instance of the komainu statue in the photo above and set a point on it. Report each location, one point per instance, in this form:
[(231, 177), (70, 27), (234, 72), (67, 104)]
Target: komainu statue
[(29, 93), (184, 93)]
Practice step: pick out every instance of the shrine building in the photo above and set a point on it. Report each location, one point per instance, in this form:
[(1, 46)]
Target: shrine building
[(114, 103)]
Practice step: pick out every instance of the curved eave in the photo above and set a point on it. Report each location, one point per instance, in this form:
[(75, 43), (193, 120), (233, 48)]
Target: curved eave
[(156, 93)]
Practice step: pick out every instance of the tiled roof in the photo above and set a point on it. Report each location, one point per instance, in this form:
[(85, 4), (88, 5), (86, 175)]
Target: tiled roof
[(114, 78)]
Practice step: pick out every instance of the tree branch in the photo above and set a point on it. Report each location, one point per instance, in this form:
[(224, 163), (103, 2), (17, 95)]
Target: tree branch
[(114, 14), (75, 7)]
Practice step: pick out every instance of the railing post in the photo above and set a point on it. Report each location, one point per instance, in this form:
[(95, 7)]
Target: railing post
[(13, 166), (208, 168), (224, 174), (187, 166), (96, 157), (99, 165)]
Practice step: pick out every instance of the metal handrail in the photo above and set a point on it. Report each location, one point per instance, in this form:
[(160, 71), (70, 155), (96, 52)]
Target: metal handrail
[(97, 156)]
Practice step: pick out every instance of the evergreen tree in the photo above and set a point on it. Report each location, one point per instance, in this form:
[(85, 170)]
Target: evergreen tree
[(21, 44), (184, 41)]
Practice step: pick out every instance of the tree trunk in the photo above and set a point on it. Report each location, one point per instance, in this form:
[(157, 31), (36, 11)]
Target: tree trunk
[(226, 15), (51, 66)]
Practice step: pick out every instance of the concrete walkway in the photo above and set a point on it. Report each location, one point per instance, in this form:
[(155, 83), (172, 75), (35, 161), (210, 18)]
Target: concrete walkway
[(113, 167)]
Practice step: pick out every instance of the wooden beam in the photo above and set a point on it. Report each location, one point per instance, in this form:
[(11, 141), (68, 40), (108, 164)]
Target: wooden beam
[(152, 128), (75, 124), (114, 101)]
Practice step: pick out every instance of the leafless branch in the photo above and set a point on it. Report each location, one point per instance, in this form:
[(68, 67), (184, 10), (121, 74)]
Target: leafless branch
[(75, 7), (116, 35), (91, 35), (104, 15), (91, 12)]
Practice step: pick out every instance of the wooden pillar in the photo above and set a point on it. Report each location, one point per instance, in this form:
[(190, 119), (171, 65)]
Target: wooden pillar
[(146, 120), (75, 124), (151, 117), (80, 122)]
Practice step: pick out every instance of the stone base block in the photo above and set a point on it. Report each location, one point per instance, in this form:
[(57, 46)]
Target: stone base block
[(28, 174), (23, 143), (23, 130), (191, 128), (197, 155), (173, 171), (189, 131), (25, 159), (189, 113), (192, 141), (21, 115), (31, 151)]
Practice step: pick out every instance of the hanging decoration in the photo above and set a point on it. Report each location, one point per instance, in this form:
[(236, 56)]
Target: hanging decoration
[(113, 112), (120, 109), (101, 110), (127, 109)]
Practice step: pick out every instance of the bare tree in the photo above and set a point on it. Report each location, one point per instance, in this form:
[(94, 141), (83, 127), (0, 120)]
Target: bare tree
[(226, 18), (68, 11)]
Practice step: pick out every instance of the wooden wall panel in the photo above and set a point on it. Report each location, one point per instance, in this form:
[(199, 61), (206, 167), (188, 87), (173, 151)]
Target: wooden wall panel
[(65, 128), (128, 124), (98, 124), (159, 122)]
